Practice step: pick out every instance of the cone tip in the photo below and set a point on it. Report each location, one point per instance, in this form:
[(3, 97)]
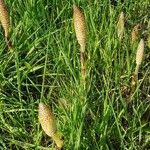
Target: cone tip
[(142, 40), (122, 14), (75, 7), (41, 105)]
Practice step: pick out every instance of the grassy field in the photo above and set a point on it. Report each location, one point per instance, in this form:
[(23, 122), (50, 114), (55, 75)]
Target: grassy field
[(45, 67)]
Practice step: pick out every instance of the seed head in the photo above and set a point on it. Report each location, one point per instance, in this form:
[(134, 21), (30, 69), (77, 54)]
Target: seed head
[(4, 18), (120, 25), (140, 52), (80, 27)]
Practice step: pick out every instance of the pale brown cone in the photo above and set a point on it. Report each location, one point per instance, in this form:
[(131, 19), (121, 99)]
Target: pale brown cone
[(120, 26), (4, 18), (48, 123), (80, 27), (47, 120), (140, 52), (134, 32)]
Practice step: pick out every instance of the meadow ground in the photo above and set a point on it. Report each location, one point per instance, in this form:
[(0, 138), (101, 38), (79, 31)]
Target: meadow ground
[(45, 66)]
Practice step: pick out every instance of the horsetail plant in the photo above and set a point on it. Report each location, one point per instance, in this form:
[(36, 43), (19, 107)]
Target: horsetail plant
[(134, 33), (48, 124), (139, 55), (120, 26), (4, 19), (139, 58), (80, 30)]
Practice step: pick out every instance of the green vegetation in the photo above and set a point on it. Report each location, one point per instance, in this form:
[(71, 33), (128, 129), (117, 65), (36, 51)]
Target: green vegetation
[(45, 67)]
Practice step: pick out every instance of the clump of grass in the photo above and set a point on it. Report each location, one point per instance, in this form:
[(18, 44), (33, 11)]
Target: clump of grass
[(80, 30), (101, 120), (4, 18), (120, 26), (48, 123)]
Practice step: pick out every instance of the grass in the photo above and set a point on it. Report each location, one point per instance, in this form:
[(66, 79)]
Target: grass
[(45, 67)]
